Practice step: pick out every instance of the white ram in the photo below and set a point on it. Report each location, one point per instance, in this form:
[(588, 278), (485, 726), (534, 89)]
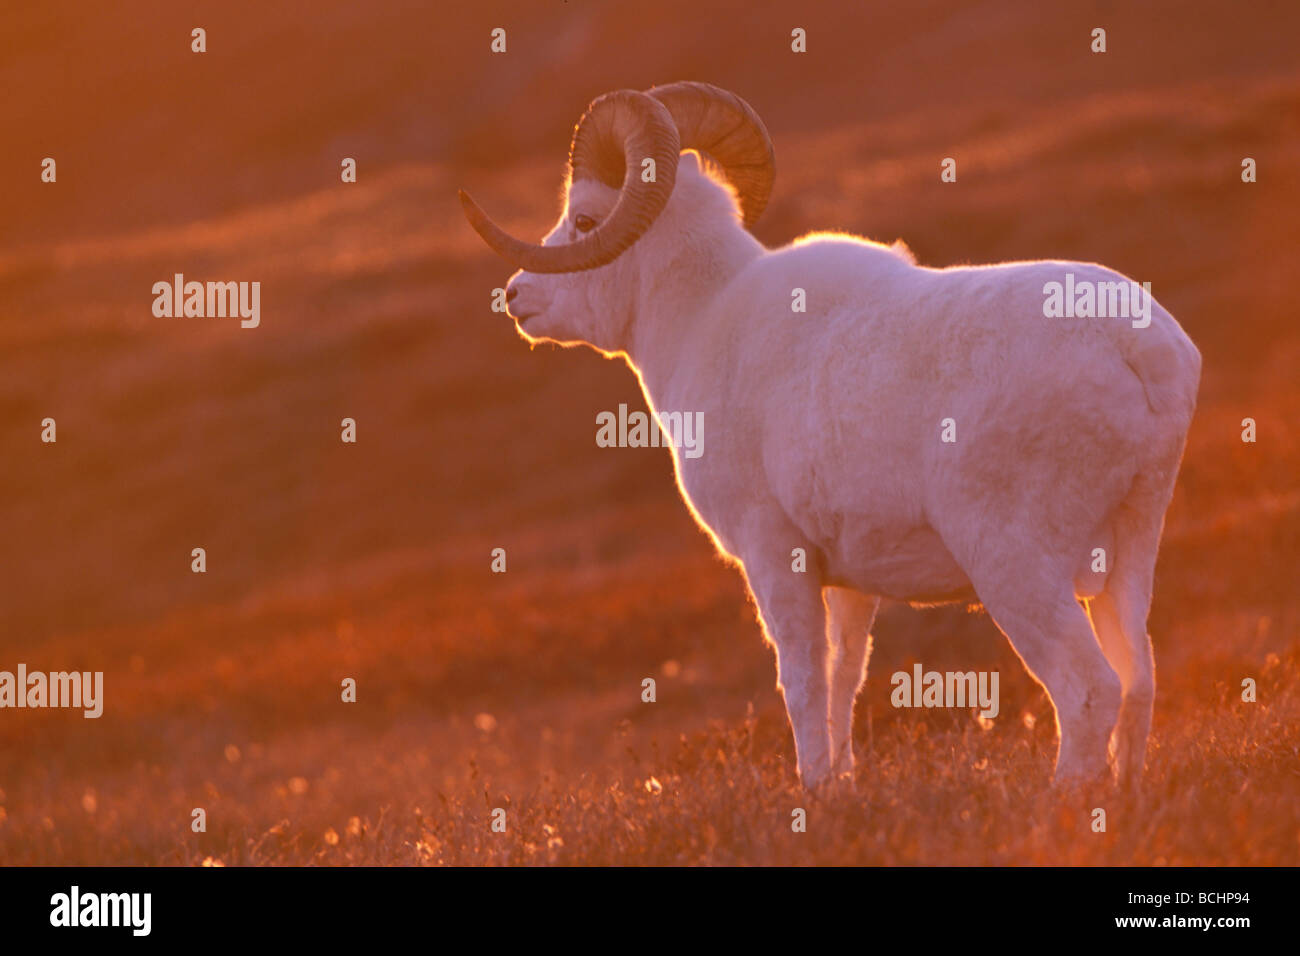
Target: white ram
[(829, 429)]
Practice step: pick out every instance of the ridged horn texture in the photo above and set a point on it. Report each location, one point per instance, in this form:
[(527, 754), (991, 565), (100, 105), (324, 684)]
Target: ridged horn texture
[(615, 135), (723, 125), (623, 128)]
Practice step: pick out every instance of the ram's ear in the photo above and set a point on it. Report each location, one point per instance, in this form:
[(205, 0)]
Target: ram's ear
[(690, 160)]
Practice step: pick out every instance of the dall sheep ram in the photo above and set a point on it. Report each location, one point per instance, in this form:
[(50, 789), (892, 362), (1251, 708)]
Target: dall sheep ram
[(827, 426)]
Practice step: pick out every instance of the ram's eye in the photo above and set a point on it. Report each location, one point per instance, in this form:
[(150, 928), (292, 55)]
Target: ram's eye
[(584, 223)]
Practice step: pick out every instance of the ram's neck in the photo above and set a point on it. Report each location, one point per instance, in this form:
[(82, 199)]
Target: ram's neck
[(673, 303)]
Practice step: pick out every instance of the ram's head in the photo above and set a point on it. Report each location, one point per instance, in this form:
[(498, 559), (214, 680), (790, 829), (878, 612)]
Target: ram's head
[(623, 213)]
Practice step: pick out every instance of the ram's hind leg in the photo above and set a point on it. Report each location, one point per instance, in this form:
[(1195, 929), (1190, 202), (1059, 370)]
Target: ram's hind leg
[(1035, 608), (1119, 617), (1119, 614), (849, 615)]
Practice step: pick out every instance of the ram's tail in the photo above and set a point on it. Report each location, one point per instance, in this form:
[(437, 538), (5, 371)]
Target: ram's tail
[(1166, 363)]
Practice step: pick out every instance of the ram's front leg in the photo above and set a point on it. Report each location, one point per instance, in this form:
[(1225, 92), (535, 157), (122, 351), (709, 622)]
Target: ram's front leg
[(849, 616), (794, 618)]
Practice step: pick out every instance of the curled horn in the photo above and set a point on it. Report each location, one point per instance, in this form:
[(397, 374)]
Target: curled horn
[(616, 133), (723, 125)]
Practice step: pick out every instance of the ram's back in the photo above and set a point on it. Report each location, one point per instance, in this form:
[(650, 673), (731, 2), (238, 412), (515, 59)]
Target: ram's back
[(903, 388)]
